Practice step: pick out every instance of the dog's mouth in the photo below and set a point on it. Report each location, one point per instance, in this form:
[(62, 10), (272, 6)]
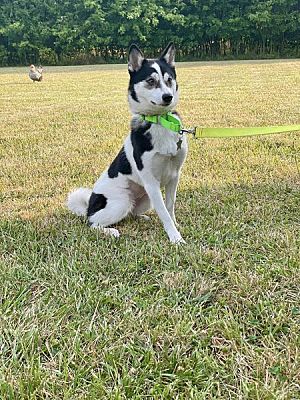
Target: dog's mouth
[(160, 105)]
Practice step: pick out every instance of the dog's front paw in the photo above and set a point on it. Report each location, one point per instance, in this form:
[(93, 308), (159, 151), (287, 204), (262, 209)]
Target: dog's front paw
[(176, 238), (111, 232), (180, 241), (107, 231)]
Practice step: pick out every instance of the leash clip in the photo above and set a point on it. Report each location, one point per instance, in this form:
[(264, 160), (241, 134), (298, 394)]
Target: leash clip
[(192, 131)]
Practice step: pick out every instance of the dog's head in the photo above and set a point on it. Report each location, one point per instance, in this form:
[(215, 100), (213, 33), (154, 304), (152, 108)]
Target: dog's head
[(152, 87)]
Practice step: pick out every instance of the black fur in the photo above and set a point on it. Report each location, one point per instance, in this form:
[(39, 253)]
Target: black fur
[(120, 164), (96, 203), (141, 142), (165, 67), (133, 94)]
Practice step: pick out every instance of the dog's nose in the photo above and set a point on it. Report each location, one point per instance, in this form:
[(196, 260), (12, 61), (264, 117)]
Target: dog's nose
[(167, 98)]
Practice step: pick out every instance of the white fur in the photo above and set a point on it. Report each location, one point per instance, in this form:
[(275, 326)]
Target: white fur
[(78, 201)]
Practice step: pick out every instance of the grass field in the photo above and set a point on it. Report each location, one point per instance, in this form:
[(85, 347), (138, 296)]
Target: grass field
[(87, 317)]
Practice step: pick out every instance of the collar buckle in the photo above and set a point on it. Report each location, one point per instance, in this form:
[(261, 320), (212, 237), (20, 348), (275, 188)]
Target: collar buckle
[(192, 131)]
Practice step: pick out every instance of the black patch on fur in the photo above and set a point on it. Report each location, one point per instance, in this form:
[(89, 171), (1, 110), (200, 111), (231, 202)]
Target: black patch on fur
[(165, 67), (120, 164), (133, 94), (141, 142), (96, 203)]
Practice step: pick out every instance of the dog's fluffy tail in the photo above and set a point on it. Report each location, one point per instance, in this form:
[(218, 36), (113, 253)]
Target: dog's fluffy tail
[(78, 201)]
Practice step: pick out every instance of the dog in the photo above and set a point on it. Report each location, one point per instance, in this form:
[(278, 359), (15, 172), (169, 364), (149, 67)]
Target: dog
[(150, 159)]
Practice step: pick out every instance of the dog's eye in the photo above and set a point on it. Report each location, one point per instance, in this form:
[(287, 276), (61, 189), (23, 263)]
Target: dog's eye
[(150, 81), (169, 80)]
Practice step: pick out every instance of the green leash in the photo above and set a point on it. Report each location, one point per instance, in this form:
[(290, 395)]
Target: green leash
[(240, 132), (168, 121)]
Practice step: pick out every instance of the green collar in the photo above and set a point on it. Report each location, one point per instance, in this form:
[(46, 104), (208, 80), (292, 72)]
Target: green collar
[(168, 121)]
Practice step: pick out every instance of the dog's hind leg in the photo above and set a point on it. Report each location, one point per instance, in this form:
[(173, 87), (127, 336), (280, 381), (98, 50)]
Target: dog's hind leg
[(142, 205), (103, 212)]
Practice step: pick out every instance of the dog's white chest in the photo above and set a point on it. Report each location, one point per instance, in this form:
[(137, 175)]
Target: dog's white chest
[(169, 150), (165, 142), (164, 168)]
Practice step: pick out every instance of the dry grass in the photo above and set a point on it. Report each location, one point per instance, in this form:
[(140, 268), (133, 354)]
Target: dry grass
[(86, 317)]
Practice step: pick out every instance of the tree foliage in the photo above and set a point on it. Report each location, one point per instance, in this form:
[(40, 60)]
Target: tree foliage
[(83, 31)]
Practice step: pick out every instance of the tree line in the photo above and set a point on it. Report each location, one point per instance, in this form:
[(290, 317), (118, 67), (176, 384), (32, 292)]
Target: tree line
[(93, 31)]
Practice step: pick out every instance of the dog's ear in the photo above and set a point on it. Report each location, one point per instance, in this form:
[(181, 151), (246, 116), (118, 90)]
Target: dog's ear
[(135, 58), (168, 55)]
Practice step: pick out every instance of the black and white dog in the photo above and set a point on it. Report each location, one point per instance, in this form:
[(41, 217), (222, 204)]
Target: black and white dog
[(151, 158)]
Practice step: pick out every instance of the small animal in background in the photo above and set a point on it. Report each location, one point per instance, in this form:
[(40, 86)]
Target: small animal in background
[(35, 74)]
